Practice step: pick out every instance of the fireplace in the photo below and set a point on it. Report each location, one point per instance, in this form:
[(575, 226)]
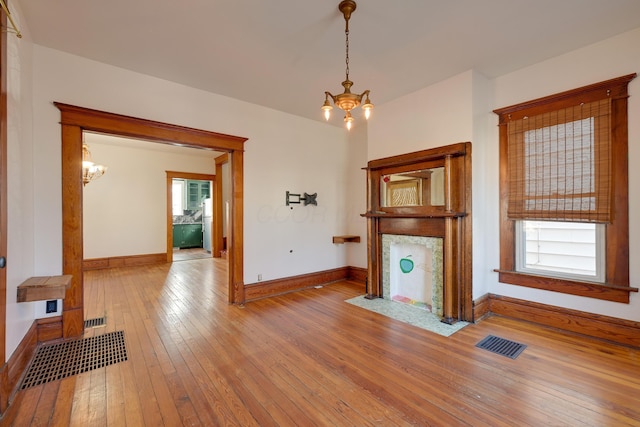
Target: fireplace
[(419, 230), (412, 271)]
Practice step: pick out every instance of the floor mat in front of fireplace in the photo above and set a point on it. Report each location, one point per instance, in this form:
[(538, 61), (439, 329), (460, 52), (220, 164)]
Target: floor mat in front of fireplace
[(60, 360)]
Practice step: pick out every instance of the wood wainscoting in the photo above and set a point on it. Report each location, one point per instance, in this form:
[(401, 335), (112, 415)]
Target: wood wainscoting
[(620, 331)]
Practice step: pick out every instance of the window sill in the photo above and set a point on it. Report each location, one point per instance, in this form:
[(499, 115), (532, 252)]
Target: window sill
[(586, 289)]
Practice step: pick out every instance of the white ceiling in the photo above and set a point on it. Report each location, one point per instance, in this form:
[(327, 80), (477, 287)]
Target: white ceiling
[(285, 54)]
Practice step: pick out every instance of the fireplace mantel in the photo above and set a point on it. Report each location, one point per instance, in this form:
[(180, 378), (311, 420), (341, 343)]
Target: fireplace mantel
[(425, 193)]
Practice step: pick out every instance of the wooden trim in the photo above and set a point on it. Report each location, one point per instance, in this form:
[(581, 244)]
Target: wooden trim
[(617, 86), (74, 121), (612, 329), (192, 175), (271, 288), (12, 371), (481, 308), (572, 287), (49, 328), (236, 231), (218, 224), (72, 232), (3, 206), (617, 232), (459, 149), (163, 133), (123, 261), (357, 274)]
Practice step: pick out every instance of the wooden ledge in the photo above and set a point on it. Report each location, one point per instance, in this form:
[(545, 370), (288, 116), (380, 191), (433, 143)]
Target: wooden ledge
[(44, 288), (345, 239)]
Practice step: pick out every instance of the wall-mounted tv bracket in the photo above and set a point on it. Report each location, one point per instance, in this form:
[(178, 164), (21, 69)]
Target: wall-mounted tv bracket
[(308, 199)]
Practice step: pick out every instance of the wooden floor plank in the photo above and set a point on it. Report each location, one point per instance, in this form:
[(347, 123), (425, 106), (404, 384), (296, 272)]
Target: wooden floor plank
[(309, 358)]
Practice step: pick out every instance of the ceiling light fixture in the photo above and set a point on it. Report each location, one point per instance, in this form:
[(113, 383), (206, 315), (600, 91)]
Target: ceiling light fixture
[(90, 170), (347, 101)]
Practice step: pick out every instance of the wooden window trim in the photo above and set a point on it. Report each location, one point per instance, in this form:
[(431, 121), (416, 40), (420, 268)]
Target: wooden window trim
[(616, 287)]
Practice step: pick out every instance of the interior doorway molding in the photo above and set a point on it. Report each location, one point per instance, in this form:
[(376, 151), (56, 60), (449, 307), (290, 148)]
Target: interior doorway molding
[(74, 121)]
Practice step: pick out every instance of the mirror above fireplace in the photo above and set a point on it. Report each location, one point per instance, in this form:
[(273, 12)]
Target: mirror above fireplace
[(424, 187)]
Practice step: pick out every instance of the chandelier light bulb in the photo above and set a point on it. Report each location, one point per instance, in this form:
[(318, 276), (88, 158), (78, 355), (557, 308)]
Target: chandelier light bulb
[(367, 107), (326, 107), (348, 119)]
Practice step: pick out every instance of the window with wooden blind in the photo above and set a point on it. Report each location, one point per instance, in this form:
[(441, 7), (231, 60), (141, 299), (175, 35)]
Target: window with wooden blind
[(564, 192)]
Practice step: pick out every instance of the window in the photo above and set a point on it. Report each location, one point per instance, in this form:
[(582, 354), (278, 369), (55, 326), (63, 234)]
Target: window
[(177, 196), (572, 250), (564, 192)]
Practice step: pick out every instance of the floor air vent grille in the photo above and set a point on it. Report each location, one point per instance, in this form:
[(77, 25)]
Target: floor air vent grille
[(501, 346), (94, 323), (57, 361)]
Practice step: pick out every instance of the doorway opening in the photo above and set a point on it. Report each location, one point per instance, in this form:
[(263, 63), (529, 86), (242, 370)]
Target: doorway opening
[(74, 121)]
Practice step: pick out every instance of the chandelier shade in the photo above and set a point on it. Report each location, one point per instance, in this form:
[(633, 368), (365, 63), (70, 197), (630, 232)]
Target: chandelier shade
[(90, 170), (347, 100)]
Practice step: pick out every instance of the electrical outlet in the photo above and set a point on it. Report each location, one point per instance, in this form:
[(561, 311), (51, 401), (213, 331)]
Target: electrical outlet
[(52, 306), (259, 277)]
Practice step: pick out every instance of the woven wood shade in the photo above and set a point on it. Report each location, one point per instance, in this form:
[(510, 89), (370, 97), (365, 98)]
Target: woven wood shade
[(559, 164)]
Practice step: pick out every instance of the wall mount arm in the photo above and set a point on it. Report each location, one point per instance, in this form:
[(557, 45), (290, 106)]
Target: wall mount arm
[(308, 199)]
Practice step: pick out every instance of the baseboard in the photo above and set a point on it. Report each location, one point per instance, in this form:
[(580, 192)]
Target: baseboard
[(49, 328), (620, 331), (270, 288), (481, 308), (15, 367), (123, 261), (357, 274)]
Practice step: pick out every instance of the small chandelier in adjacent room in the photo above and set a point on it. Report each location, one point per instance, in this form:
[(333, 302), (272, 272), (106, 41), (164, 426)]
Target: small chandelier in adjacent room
[(347, 101), (90, 170)]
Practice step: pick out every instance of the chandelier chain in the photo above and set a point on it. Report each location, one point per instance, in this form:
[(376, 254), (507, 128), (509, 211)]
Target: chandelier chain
[(346, 33)]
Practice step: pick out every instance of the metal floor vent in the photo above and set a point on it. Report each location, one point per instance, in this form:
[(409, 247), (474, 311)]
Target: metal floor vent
[(94, 323), (57, 361), (501, 346)]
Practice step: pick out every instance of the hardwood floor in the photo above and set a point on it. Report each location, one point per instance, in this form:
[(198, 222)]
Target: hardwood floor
[(309, 358)]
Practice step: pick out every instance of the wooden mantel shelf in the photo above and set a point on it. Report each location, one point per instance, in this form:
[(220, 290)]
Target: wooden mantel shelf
[(346, 239), (44, 288)]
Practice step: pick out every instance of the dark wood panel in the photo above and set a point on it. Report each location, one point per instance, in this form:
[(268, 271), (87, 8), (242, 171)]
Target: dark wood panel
[(432, 227)]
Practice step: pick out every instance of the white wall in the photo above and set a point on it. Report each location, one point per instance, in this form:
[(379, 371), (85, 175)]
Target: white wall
[(20, 182), (283, 153), (605, 60), (125, 210), (356, 195), (437, 115)]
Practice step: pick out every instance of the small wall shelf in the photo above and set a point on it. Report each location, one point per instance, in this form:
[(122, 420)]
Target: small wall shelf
[(346, 239), (44, 288)]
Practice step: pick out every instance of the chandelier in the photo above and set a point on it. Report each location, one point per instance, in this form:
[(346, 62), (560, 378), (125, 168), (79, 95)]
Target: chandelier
[(90, 170), (347, 101)]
